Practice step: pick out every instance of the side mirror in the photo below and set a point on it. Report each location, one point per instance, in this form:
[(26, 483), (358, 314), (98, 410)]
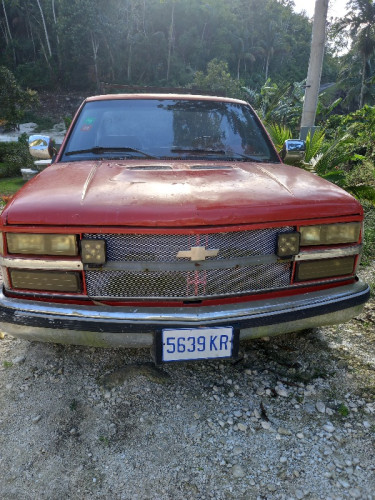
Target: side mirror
[(293, 151), (40, 147)]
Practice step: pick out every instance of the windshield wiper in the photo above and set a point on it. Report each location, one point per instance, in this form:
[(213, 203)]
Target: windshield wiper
[(199, 151), (221, 152), (99, 150)]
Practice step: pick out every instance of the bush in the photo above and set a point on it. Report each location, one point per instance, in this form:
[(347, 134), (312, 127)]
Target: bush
[(368, 254), (13, 100), (14, 156)]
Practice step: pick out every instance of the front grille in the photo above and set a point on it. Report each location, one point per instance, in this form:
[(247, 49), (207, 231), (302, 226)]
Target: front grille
[(181, 284)]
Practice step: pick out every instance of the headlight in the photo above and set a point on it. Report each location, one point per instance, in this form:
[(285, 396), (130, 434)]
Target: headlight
[(42, 244), (330, 234)]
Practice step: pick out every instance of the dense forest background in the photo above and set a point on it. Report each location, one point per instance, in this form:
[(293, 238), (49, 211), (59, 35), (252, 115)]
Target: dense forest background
[(75, 44)]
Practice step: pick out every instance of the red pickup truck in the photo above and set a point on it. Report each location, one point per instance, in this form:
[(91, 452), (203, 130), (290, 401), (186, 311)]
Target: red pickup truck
[(170, 221)]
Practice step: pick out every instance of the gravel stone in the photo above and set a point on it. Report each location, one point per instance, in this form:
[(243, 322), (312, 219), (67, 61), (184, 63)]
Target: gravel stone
[(329, 428), (242, 427), (281, 391), (18, 360), (321, 407), (238, 471), (202, 430), (354, 493), (283, 431)]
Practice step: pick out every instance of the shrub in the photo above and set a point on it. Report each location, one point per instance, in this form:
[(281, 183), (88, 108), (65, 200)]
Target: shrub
[(13, 100), (14, 156)]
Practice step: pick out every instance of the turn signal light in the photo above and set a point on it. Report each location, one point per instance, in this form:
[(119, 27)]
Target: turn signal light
[(52, 281), (325, 268)]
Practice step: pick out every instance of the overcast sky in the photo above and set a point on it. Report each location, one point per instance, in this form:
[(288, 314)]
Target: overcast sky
[(336, 7)]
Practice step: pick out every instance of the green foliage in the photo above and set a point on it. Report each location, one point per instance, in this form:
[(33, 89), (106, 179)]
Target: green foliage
[(67, 121), (359, 126), (279, 134), (13, 100), (348, 154), (368, 254), (324, 110), (104, 440), (279, 103), (360, 23), (343, 410), (73, 405), (34, 74), (314, 144), (218, 80), (14, 156)]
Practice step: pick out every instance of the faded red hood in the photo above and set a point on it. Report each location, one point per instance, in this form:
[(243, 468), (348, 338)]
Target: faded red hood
[(133, 193)]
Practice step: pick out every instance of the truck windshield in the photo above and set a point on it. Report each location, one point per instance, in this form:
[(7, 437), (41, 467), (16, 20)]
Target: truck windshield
[(168, 129)]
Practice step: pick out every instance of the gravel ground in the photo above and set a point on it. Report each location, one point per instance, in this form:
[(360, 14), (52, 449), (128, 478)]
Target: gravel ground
[(293, 419)]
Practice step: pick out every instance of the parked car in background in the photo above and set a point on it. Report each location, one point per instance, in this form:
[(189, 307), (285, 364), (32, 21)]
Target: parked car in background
[(169, 221)]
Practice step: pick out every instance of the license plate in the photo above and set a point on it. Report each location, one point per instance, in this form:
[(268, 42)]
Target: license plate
[(188, 344)]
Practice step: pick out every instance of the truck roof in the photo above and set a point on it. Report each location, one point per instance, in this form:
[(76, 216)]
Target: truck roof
[(190, 97)]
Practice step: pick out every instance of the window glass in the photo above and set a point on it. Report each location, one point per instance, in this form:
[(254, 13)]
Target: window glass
[(168, 129)]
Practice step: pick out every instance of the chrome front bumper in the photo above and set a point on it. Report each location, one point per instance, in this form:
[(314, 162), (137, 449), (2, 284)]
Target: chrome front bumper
[(105, 326)]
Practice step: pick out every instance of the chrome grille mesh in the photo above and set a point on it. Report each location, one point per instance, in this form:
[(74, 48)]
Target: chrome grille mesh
[(187, 284)]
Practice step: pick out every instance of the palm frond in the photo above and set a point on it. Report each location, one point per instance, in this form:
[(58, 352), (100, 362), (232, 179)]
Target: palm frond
[(314, 144), (279, 134)]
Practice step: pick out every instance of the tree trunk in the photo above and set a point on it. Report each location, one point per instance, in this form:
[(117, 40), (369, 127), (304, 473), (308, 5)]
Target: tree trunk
[(45, 28), (170, 42), (55, 20), (315, 66), (267, 65), (5, 33), (6, 21), (363, 86), (44, 53), (9, 33), (30, 29), (95, 48), (130, 53)]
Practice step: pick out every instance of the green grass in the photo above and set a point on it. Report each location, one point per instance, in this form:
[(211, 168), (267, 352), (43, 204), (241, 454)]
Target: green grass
[(104, 440), (343, 410), (10, 185)]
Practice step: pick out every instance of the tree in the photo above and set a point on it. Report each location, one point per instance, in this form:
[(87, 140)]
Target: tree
[(360, 21), (315, 66), (218, 80), (45, 28)]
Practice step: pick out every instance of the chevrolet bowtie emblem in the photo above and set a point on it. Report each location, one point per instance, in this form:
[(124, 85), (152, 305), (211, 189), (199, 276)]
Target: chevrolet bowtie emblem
[(196, 253)]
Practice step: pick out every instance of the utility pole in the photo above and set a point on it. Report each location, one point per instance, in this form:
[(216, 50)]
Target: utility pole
[(314, 72)]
